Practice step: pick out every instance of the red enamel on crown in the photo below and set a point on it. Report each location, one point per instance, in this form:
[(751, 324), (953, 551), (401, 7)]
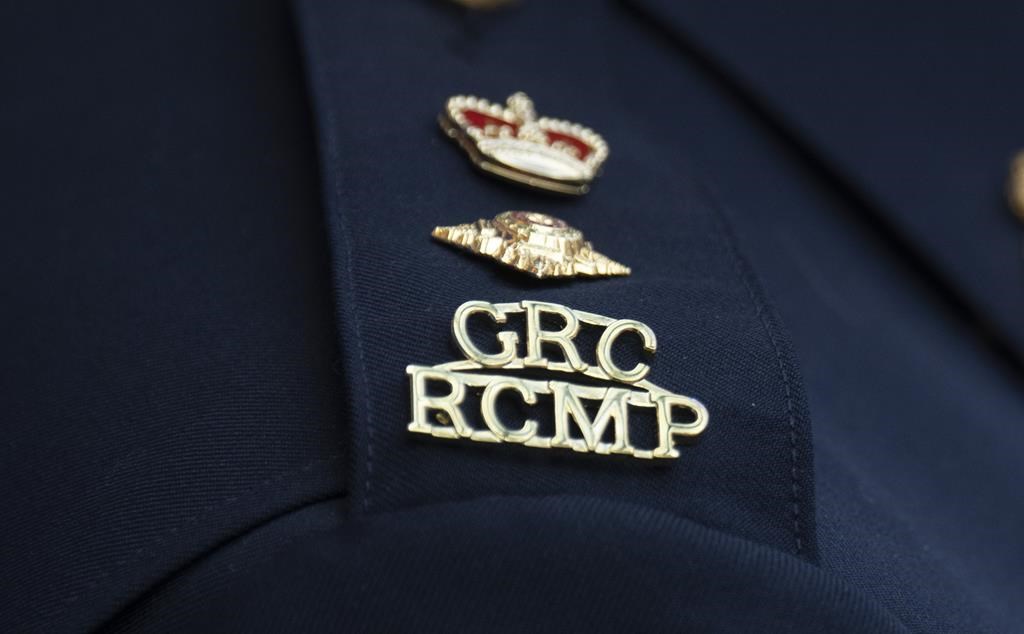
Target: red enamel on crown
[(511, 142)]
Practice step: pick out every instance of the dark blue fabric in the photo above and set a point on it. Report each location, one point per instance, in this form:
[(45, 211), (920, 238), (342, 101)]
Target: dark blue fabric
[(167, 371), (389, 175), (537, 564), (914, 106), (917, 427), (203, 390)]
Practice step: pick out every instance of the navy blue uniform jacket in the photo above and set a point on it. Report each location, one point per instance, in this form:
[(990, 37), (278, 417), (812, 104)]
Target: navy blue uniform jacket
[(215, 264)]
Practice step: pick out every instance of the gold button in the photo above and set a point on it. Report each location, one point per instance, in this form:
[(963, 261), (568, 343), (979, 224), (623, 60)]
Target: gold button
[(1015, 185), (484, 5)]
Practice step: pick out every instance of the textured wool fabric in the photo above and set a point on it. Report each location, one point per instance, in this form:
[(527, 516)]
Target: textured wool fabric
[(167, 377), (217, 264), (389, 174), (916, 426), (915, 106), (475, 566)]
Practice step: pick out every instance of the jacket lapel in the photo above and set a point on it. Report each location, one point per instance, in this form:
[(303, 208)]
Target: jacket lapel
[(913, 108)]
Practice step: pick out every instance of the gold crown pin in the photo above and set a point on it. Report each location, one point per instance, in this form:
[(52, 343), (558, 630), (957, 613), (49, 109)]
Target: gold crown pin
[(511, 142), (535, 243)]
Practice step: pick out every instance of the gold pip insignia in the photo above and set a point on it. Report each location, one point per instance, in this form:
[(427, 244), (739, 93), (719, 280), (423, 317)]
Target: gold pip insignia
[(511, 142), (536, 243), (445, 416)]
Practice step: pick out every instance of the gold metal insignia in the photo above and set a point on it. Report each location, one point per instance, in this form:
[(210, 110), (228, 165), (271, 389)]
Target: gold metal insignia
[(574, 428), (1015, 186), (511, 142), (535, 243)]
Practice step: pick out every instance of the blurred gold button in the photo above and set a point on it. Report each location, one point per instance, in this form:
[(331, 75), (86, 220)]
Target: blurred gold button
[(1015, 185), (484, 5)]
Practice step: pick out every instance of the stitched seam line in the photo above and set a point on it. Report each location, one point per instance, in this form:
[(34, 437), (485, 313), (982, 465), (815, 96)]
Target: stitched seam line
[(744, 275), (360, 353), (221, 546), (332, 152), (142, 551)]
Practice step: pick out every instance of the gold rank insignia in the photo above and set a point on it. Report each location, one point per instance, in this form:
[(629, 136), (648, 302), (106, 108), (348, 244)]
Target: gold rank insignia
[(459, 400), (535, 243), (511, 142)]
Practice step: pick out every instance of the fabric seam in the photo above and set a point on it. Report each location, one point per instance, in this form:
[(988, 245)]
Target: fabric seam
[(760, 312), (336, 189), (220, 546), (139, 553)]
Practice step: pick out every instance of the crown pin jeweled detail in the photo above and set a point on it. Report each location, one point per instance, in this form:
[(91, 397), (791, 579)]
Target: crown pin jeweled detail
[(535, 243), (511, 142)]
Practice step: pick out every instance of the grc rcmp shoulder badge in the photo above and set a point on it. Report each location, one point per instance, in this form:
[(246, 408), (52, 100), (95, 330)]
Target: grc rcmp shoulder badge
[(440, 393), (511, 142)]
